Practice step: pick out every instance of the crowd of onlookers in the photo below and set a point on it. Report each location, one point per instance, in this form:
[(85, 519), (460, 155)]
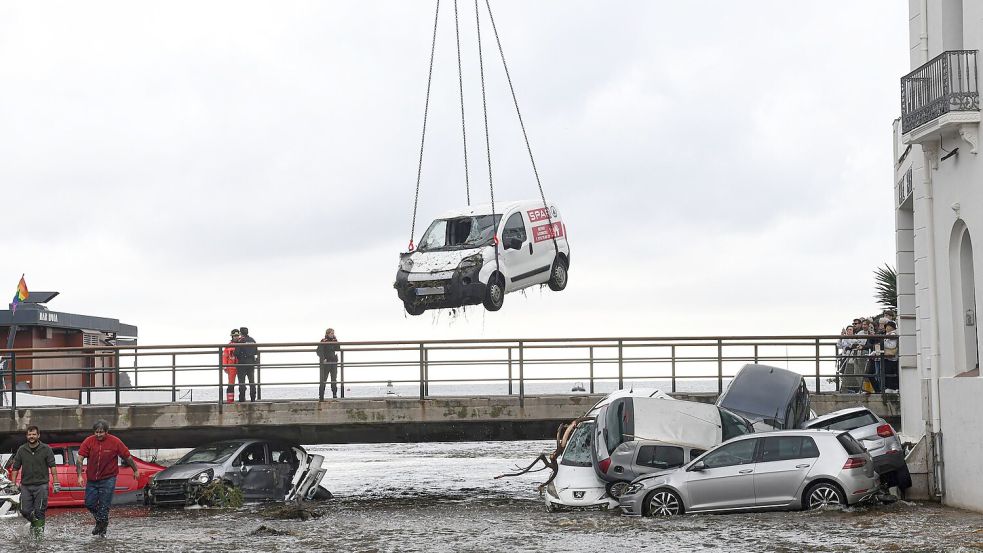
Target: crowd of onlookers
[(867, 355)]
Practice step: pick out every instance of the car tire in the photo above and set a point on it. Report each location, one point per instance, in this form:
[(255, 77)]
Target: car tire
[(821, 495), (495, 293), (322, 494), (413, 309), (663, 503), (617, 489), (558, 275)]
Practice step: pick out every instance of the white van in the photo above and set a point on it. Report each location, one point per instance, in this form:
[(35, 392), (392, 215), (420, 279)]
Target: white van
[(455, 263)]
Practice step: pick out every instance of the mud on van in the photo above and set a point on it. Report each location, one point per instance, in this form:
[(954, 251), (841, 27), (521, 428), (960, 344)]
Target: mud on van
[(455, 263)]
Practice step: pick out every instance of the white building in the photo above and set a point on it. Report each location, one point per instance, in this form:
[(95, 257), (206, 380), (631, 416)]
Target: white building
[(939, 201)]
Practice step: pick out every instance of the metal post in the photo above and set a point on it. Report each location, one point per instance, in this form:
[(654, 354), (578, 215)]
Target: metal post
[(510, 369), (672, 357), (341, 372), (136, 371), (116, 374), (522, 383), (173, 378), (426, 372), (755, 354), (220, 398), (720, 367), (817, 365), (592, 369), (13, 385), (621, 368), (423, 392), (259, 366)]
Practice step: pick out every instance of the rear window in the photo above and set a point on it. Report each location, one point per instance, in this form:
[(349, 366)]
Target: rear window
[(660, 456), (577, 452), (848, 421), (851, 445)]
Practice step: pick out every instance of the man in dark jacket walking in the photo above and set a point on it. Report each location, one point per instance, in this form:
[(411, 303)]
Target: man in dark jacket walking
[(327, 353), (37, 460), (245, 353)]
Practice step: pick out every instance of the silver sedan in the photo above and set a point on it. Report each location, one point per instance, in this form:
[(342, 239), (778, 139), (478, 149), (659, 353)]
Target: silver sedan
[(795, 469)]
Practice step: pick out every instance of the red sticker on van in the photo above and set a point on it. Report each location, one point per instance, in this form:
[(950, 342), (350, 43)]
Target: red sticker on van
[(547, 232), (537, 215)]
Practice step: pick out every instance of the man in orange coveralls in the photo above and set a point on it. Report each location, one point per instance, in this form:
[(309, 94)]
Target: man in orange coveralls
[(229, 362)]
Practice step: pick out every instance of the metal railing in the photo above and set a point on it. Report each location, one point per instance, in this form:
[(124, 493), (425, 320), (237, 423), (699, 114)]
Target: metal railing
[(948, 82), (290, 371)]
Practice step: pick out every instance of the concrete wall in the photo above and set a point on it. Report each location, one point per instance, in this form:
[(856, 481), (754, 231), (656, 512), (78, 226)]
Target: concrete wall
[(962, 441)]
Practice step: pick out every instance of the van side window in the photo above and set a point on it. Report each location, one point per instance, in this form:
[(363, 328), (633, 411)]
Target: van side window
[(514, 228)]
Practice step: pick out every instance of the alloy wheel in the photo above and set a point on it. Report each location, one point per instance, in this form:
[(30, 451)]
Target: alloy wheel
[(823, 496), (664, 504), (617, 489)]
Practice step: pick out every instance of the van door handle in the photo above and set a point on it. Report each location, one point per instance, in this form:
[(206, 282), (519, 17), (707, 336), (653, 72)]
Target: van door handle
[(530, 248), (745, 471), (802, 466)]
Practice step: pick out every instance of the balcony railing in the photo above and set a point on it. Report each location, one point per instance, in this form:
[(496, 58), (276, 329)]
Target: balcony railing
[(947, 83)]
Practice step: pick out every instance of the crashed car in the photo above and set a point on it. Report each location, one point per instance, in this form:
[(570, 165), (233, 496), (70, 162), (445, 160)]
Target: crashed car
[(473, 256), (261, 470), (72, 494), (876, 435), (9, 497), (770, 397), (636, 436)]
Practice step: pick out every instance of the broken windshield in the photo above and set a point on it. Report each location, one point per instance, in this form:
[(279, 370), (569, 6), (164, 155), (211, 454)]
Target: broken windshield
[(459, 233), (577, 452), (215, 453)]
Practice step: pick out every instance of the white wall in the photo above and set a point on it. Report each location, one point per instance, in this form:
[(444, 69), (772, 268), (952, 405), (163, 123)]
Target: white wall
[(962, 442)]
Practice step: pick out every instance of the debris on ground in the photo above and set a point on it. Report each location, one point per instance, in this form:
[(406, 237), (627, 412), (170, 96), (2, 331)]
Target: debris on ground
[(292, 511), (265, 530)]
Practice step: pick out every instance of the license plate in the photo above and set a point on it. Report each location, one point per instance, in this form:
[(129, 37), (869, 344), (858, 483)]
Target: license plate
[(578, 495), (430, 291)]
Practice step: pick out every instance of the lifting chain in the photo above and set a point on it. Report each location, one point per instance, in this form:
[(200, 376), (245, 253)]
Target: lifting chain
[(423, 136), (484, 108), (460, 88)]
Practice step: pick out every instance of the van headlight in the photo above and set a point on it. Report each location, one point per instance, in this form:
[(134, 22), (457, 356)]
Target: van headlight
[(471, 261), (406, 264), (633, 489), (202, 477)]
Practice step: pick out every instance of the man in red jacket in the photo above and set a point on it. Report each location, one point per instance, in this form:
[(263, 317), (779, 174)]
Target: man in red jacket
[(102, 449)]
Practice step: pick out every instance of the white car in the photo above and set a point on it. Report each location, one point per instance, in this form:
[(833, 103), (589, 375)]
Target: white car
[(469, 256)]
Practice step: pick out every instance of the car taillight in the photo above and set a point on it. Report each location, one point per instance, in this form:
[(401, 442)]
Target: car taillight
[(885, 431), (854, 463), (604, 464)]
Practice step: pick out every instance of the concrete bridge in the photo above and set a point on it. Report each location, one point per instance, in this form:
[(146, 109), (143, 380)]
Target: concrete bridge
[(381, 420)]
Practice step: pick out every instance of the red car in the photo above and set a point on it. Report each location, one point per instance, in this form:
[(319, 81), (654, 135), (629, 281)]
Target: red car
[(72, 494)]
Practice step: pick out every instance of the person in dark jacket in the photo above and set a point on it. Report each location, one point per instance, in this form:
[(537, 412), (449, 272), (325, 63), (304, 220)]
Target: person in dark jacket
[(327, 353), (245, 353), (37, 460)]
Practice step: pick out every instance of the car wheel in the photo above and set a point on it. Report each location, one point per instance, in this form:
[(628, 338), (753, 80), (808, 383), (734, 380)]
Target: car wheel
[(663, 503), (558, 276), (617, 489), (495, 293), (823, 495), (413, 309), (322, 494)]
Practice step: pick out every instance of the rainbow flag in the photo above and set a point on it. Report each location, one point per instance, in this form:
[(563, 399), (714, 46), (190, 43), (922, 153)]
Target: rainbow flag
[(20, 295)]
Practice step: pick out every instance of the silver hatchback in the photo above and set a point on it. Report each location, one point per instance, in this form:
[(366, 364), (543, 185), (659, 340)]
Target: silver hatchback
[(792, 469)]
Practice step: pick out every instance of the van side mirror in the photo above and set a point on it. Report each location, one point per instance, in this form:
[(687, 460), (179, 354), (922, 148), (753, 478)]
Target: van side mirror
[(698, 466), (513, 244)]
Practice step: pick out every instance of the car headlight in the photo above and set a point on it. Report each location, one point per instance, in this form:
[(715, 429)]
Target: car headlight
[(633, 489), (551, 489), (471, 261), (202, 477), (406, 263)]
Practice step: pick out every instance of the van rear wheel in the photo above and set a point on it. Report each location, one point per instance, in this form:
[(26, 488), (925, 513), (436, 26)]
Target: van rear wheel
[(558, 275), (413, 309), (494, 293)]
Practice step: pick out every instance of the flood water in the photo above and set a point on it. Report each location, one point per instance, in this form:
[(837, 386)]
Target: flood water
[(443, 497)]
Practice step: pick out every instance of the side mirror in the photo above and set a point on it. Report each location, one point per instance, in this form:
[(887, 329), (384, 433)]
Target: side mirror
[(698, 466), (513, 244)]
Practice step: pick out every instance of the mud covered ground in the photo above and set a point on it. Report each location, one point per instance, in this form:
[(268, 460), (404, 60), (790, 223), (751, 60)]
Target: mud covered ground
[(443, 497)]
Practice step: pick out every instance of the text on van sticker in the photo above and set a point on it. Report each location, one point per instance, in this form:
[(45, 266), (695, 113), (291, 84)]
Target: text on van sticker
[(547, 232), (538, 215)]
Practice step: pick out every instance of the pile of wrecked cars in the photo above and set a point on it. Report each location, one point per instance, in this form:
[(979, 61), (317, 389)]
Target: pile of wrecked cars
[(759, 447)]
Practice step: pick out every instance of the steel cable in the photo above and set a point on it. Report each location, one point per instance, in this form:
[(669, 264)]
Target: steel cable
[(460, 87), (423, 134), (484, 107)]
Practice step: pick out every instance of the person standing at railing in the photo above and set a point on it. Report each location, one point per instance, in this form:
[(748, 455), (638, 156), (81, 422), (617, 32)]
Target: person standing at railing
[(229, 363), (245, 353), (327, 353), (889, 364), (851, 366)]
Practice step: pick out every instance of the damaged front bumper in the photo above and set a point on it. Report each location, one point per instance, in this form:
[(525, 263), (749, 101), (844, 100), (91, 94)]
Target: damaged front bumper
[(443, 289)]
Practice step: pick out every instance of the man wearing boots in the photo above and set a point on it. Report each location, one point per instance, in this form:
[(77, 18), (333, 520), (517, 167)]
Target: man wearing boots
[(229, 363), (245, 353), (37, 460), (327, 353), (102, 450)]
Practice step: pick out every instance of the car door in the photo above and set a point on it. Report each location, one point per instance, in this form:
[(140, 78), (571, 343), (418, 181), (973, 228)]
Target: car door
[(522, 266), (75, 488), (782, 465), (727, 481), (284, 462), (256, 472), (67, 478)]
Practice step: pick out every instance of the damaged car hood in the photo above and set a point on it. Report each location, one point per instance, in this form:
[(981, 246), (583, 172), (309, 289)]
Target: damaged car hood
[(438, 261), (188, 470)]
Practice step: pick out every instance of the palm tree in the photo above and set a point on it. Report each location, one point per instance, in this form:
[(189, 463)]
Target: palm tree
[(886, 287)]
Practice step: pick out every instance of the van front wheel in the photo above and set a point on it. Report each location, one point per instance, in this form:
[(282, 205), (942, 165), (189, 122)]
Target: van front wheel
[(413, 309), (558, 276), (494, 293)]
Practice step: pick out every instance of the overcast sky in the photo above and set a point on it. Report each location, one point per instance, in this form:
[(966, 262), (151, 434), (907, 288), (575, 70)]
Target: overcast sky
[(188, 167)]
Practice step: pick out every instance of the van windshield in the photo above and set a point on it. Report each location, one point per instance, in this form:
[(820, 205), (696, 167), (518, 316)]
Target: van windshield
[(460, 233)]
